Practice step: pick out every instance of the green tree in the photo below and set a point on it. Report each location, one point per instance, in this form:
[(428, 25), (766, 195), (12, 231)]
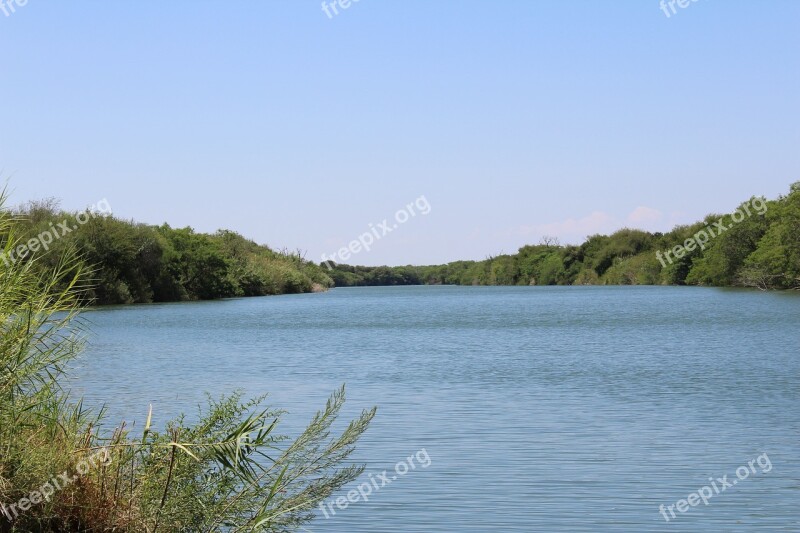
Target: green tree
[(231, 471)]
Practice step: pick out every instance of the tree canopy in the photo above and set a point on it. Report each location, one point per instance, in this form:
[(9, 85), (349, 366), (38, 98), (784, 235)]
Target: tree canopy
[(759, 247), (139, 263)]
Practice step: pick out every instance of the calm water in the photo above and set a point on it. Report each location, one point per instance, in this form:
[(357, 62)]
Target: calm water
[(541, 409)]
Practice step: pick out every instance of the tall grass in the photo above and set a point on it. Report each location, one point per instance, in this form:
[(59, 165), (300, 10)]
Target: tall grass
[(229, 471)]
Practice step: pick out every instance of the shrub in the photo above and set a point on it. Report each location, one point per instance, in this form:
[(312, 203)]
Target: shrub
[(230, 471)]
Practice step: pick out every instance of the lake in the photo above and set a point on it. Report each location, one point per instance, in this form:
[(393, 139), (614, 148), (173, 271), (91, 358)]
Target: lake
[(540, 408)]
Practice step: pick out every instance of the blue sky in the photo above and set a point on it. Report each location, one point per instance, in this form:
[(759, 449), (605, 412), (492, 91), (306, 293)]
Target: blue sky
[(515, 119)]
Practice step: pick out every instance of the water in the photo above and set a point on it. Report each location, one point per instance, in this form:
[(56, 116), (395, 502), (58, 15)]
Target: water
[(541, 409)]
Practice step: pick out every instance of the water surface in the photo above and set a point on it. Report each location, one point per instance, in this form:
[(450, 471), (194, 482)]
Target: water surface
[(541, 409)]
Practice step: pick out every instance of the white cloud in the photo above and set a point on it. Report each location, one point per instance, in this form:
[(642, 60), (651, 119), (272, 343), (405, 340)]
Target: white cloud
[(645, 216), (573, 230)]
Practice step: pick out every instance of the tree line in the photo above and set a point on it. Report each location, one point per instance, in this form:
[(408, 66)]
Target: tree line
[(140, 263), (756, 245)]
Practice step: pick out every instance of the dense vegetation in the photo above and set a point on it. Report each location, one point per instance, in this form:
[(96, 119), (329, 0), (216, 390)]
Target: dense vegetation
[(760, 247), (138, 263), (135, 263), (62, 469)]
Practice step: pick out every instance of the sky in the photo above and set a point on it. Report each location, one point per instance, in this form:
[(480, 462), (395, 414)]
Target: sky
[(510, 120)]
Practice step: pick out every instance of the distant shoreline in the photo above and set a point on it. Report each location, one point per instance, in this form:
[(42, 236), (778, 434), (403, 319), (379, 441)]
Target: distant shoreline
[(755, 246)]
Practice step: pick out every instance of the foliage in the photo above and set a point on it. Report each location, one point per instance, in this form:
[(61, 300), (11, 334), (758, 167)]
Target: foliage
[(761, 250), (137, 263), (229, 471)]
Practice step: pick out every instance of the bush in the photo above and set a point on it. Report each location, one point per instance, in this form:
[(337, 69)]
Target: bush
[(230, 471)]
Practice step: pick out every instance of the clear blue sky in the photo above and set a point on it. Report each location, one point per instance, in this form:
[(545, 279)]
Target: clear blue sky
[(515, 119)]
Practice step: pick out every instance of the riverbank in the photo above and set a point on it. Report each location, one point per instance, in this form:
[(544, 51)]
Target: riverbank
[(755, 245)]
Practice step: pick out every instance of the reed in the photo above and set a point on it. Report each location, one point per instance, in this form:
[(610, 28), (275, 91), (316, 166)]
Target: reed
[(229, 471)]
